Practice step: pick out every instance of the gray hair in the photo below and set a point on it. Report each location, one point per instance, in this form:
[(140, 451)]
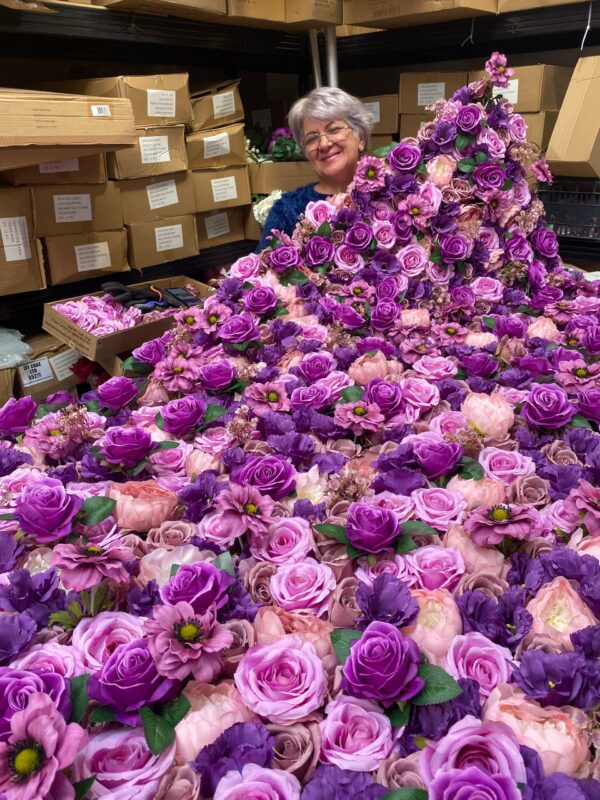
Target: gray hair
[(327, 104)]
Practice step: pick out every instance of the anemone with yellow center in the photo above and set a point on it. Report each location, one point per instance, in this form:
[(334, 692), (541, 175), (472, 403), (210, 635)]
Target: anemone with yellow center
[(451, 330), (581, 372), (250, 508), (415, 211), (25, 758), (189, 320), (499, 513), (371, 172), (272, 397), (177, 370), (360, 411), (213, 319), (93, 550), (55, 432), (188, 632)]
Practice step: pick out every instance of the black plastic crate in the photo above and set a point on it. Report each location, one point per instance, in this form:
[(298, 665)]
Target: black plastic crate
[(573, 207)]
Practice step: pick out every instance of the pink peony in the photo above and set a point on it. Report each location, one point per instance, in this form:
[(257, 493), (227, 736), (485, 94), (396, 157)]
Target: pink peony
[(558, 611), (142, 505), (491, 415), (439, 621)]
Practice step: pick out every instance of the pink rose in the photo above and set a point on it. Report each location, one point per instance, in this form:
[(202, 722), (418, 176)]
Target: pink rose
[(448, 422), (180, 783), (170, 534), (488, 289), (319, 211), (355, 735), (557, 612), (438, 507), (63, 659), (474, 656), (397, 566), (368, 367), (434, 368), (142, 505), (96, 638), (413, 260), (551, 732), (303, 586), (258, 783), (245, 267), (491, 415), (436, 567), (287, 540), (439, 621)]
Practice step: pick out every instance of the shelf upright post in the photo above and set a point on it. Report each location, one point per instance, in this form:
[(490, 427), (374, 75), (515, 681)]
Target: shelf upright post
[(331, 56), (316, 61)]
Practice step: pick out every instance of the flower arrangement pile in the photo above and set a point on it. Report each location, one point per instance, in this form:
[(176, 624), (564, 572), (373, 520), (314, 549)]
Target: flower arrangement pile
[(343, 540)]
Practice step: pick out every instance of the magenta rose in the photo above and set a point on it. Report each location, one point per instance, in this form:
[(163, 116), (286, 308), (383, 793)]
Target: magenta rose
[(200, 584), (239, 328), (318, 250), (547, 406), (15, 415), (260, 300), (46, 511), (117, 392), (405, 157), (283, 258), (371, 528), (216, 375), (273, 475), (179, 416), (125, 447)]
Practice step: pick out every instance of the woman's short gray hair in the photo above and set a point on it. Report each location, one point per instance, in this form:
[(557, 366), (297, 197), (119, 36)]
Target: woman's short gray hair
[(327, 104)]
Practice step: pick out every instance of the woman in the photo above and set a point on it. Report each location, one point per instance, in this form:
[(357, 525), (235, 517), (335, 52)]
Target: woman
[(333, 129)]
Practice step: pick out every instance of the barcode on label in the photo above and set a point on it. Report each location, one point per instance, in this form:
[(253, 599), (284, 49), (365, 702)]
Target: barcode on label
[(100, 111)]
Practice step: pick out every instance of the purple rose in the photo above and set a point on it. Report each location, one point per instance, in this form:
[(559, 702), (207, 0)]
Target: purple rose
[(216, 375), (239, 328), (117, 392), (404, 157), (260, 300), (468, 118), (150, 352), (383, 665), (591, 340), (387, 288), (547, 406), (347, 316), (200, 584), (489, 175), (318, 250), (181, 415), (45, 510), (384, 314), (437, 458), (126, 446), (17, 685), (273, 475), (316, 366), (371, 528), (129, 680), (588, 403), (544, 242), (473, 783), (454, 247), (15, 415), (517, 248), (283, 258), (387, 395), (359, 236)]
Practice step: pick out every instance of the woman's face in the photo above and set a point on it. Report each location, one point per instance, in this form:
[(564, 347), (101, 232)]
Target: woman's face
[(333, 161)]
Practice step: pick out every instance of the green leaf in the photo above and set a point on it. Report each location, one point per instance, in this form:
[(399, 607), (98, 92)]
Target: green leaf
[(82, 787), (92, 405), (167, 445), (7, 516), (422, 169), (159, 733), (398, 714), (79, 697), (96, 509), (406, 793), (225, 562), (341, 640), (174, 570), (470, 469), (481, 157), (353, 552), (352, 393), (462, 141), (213, 412), (241, 346), (99, 595), (404, 544), (174, 711), (160, 422), (489, 322), (324, 229), (64, 619), (533, 312), (415, 527), (467, 165), (337, 532), (137, 367), (293, 277), (282, 312), (580, 422), (102, 714), (439, 686)]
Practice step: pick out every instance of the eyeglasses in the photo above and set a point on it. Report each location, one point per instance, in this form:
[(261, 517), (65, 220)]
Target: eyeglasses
[(333, 135)]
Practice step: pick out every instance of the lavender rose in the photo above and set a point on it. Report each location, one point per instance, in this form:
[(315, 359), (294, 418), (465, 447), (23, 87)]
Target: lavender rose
[(468, 118), (475, 783), (283, 258), (318, 250), (384, 314), (273, 475), (181, 415), (359, 236), (489, 175), (547, 406), (316, 366), (437, 458), (371, 528), (150, 352), (46, 511), (16, 686), (385, 394)]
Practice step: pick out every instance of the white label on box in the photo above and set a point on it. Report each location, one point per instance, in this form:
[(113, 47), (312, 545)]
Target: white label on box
[(66, 165), (100, 111), (154, 149), (92, 256), (224, 189), (223, 105), (72, 207), (261, 118), (217, 145), (161, 103), (162, 194), (217, 225), (15, 238), (428, 93), (62, 362), (168, 238), (35, 372), (374, 110), (511, 92)]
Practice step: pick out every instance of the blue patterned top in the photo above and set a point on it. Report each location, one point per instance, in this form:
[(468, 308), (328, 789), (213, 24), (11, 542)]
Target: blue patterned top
[(285, 212)]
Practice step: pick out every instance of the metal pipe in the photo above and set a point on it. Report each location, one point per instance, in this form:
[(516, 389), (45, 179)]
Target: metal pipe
[(331, 56), (316, 61)]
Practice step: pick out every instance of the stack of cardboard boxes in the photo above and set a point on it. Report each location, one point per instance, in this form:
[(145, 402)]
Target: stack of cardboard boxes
[(421, 89), (217, 157), (384, 113)]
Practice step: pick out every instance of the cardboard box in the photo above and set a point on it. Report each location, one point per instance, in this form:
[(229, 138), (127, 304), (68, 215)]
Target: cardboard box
[(407, 13), (47, 368), (285, 175), (574, 147), (309, 13), (384, 111), (61, 210), (353, 30), (159, 242), (525, 5), (252, 230), (21, 268), (202, 10), (88, 169), (256, 13), (46, 126), (85, 255), (221, 188), (421, 89), (538, 87), (540, 127), (220, 227), (155, 99), (97, 348), (410, 124), (221, 147), (268, 117), (215, 105), (157, 151), (152, 199), (381, 141)]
